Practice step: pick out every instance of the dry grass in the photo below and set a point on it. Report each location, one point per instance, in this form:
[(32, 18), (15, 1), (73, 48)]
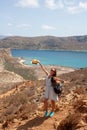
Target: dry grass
[(18, 105)]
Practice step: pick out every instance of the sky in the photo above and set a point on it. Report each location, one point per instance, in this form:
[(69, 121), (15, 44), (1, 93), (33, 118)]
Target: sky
[(32, 18)]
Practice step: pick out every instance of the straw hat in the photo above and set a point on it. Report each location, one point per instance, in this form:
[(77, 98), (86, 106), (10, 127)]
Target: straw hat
[(35, 61)]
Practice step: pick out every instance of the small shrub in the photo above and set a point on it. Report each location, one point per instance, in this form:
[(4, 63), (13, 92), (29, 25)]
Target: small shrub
[(80, 106), (70, 123)]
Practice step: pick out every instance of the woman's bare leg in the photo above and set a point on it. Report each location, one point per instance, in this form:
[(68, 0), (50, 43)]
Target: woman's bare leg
[(53, 105), (46, 104)]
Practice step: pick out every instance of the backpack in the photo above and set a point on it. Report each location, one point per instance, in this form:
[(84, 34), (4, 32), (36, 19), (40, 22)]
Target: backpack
[(57, 87)]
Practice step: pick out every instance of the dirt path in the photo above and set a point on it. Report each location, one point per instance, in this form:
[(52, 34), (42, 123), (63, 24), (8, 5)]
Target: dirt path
[(39, 122)]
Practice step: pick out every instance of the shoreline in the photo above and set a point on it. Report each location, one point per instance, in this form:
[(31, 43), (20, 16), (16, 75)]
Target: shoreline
[(41, 75), (21, 61), (73, 61), (53, 50)]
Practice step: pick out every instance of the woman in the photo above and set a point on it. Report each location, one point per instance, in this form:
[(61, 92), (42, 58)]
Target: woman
[(49, 92)]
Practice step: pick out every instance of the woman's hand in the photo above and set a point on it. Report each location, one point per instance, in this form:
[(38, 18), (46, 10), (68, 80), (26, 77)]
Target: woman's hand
[(35, 61)]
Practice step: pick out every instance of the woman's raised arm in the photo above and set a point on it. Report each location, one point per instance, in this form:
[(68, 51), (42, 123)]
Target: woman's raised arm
[(43, 68)]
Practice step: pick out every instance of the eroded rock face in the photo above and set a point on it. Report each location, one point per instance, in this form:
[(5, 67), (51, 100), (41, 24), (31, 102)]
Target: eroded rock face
[(8, 79), (7, 76), (5, 53)]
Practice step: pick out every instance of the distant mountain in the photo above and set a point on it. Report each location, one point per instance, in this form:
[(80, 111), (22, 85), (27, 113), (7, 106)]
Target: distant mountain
[(45, 42), (2, 36)]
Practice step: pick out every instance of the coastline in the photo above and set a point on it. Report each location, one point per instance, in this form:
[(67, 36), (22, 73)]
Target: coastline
[(64, 50), (39, 72), (72, 59), (53, 50)]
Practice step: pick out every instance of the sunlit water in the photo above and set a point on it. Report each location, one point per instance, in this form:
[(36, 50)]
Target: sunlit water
[(75, 59)]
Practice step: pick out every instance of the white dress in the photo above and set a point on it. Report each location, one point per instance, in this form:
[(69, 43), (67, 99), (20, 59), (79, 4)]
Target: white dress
[(49, 92)]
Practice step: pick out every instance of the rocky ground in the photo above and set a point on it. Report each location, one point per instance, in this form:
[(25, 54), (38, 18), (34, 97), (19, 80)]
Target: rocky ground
[(26, 112)]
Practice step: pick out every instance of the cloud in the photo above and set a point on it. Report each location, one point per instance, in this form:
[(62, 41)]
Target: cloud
[(23, 26), (51, 4), (83, 5), (78, 8), (71, 6), (28, 3), (60, 4), (69, 2), (10, 24), (47, 27), (9, 34)]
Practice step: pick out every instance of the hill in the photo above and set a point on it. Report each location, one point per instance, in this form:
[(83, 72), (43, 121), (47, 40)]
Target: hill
[(45, 42), (26, 112), (2, 37)]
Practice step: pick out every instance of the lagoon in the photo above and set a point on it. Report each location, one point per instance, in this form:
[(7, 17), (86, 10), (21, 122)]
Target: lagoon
[(74, 59)]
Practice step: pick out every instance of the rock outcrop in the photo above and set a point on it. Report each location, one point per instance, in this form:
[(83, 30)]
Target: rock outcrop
[(8, 79)]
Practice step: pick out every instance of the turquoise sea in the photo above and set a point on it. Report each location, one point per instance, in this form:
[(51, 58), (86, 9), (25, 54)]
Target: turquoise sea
[(75, 59)]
